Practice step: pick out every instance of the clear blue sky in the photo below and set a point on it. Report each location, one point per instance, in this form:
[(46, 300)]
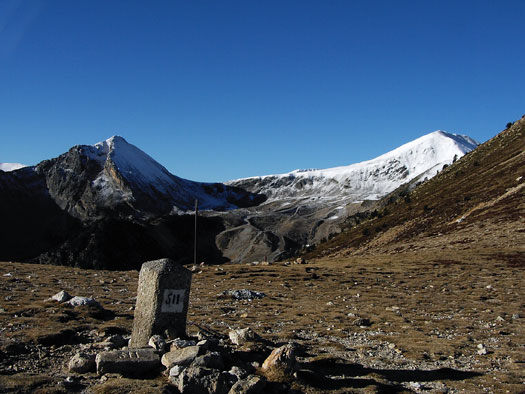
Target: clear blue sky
[(217, 90)]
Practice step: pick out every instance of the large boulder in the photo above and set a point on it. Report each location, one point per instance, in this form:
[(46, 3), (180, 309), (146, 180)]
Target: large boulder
[(183, 357), (281, 363)]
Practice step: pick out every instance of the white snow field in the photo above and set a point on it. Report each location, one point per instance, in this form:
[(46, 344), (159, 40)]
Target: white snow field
[(368, 180)]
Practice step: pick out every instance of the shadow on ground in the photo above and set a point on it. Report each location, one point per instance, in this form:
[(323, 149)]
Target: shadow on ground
[(333, 374)]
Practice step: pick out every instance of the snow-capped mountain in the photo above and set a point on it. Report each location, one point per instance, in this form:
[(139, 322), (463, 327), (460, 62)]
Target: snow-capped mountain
[(112, 205), (11, 166), (113, 175), (368, 180)]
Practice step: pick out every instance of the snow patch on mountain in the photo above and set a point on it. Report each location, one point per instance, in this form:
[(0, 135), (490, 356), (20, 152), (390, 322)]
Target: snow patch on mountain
[(129, 172), (368, 180), (11, 166), (134, 164)]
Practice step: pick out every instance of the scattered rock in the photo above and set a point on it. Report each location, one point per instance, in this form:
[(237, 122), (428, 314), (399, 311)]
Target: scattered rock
[(61, 296), (252, 384), (362, 322), (158, 343), (244, 294), (181, 343), (79, 301), (197, 380), (82, 363), (281, 363), (209, 360), (127, 362), (482, 350), (183, 356), (238, 372), (243, 335)]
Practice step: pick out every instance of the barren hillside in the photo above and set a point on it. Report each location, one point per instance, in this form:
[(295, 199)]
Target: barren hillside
[(479, 201)]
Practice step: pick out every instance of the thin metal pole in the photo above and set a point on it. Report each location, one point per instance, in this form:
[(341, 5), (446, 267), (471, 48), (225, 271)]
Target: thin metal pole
[(195, 235)]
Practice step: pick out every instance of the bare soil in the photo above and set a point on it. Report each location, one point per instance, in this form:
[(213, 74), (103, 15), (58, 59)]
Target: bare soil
[(414, 321)]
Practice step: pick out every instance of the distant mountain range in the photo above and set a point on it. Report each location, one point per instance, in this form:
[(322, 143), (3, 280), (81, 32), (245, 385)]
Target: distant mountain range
[(369, 180), (110, 205)]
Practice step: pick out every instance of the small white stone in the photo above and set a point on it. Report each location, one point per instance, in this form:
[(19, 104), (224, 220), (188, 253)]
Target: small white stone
[(61, 296), (482, 350)]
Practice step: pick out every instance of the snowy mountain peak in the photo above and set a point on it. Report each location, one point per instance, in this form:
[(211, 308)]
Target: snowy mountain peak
[(131, 177), (132, 162), (368, 180)]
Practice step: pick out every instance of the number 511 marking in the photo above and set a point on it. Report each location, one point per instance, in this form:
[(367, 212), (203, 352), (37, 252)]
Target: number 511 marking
[(173, 300)]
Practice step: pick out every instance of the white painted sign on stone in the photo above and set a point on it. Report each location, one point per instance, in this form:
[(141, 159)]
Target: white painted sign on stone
[(173, 300)]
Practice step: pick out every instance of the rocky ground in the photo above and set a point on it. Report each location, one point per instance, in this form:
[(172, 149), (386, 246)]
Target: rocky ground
[(429, 320)]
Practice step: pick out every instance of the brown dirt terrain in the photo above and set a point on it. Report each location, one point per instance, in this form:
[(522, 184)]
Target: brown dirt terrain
[(428, 311)]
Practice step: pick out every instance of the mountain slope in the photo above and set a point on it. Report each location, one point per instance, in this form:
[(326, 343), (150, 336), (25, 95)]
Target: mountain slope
[(115, 177), (305, 208), (369, 180), (479, 200)]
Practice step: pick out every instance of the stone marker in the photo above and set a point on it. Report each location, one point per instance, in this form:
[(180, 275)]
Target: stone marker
[(162, 302)]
